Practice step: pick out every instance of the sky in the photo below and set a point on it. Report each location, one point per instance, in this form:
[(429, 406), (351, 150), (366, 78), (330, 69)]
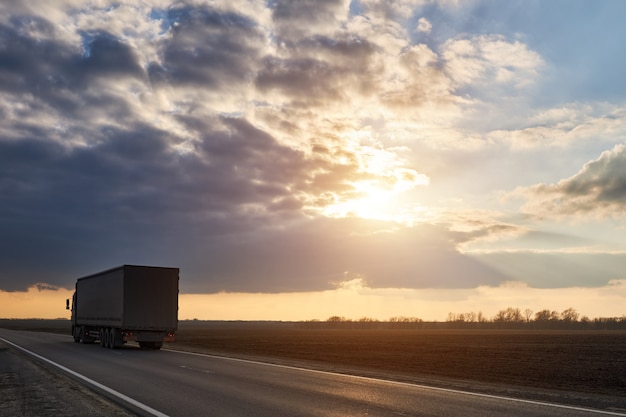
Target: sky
[(308, 158)]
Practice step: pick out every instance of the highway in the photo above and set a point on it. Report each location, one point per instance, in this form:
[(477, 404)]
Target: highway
[(168, 383)]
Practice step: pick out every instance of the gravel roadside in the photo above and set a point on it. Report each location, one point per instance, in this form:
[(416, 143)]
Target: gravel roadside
[(30, 389)]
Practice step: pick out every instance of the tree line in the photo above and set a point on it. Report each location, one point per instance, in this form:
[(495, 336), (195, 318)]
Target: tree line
[(509, 318), (513, 317)]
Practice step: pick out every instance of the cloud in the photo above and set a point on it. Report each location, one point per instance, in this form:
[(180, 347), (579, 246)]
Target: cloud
[(490, 59), (423, 25), (316, 254), (556, 269), (598, 189), (240, 140), (304, 18), (566, 126), (207, 47)]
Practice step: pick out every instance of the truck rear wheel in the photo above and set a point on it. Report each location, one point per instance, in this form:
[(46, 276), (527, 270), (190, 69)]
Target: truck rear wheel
[(116, 338), (105, 337), (102, 337), (81, 335), (110, 337), (75, 334)]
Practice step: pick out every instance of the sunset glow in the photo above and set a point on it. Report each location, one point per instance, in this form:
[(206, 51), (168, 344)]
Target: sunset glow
[(299, 159)]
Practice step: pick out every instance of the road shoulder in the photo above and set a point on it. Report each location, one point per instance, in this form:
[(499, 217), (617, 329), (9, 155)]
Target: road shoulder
[(31, 388)]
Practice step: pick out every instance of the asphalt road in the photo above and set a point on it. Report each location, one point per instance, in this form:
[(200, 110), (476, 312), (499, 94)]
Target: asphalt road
[(167, 383)]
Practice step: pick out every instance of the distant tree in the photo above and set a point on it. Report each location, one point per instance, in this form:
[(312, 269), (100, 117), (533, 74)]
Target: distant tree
[(570, 315), (480, 317), (471, 317), (528, 315), (510, 315), (400, 319), (336, 319), (547, 315)]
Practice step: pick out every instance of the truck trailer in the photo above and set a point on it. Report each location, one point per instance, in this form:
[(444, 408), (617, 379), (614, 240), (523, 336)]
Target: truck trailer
[(127, 303)]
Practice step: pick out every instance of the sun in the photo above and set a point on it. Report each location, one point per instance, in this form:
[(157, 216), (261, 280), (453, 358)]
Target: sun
[(380, 183), (372, 203), (382, 199)]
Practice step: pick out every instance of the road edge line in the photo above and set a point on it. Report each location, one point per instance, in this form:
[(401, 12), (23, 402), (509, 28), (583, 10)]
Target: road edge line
[(432, 388), (99, 386)]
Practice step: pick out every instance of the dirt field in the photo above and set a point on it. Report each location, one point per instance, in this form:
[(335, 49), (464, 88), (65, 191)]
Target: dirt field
[(578, 361)]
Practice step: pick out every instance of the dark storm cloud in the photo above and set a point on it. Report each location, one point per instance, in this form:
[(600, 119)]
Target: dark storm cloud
[(294, 19), (243, 165), (50, 69), (130, 198), (207, 47), (303, 79), (104, 55), (64, 208), (320, 70)]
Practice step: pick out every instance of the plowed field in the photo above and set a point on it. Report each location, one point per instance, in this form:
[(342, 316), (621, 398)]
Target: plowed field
[(578, 361)]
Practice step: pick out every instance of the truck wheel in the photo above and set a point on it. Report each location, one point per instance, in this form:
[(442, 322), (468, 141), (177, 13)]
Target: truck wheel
[(75, 334), (116, 339), (81, 334), (109, 338), (102, 337)]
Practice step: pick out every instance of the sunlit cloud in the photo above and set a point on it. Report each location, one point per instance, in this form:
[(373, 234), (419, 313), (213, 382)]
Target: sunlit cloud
[(423, 25), (597, 190)]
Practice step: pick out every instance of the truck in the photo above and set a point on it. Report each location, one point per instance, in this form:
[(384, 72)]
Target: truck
[(128, 303)]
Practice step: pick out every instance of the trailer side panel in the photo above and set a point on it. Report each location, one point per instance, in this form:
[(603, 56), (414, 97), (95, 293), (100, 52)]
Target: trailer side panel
[(100, 299)]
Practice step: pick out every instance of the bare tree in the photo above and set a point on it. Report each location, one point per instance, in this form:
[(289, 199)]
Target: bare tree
[(547, 315), (480, 317), (528, 314), (470, 317), (510, 315), (570, 315), (367, 320), (452, 316)]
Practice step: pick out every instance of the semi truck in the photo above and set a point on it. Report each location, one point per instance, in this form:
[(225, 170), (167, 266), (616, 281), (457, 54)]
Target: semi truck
[(127, 303)]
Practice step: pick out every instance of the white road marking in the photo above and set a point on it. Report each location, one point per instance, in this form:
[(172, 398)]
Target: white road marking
[(426, 387), (98, 385), (195, 369)]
